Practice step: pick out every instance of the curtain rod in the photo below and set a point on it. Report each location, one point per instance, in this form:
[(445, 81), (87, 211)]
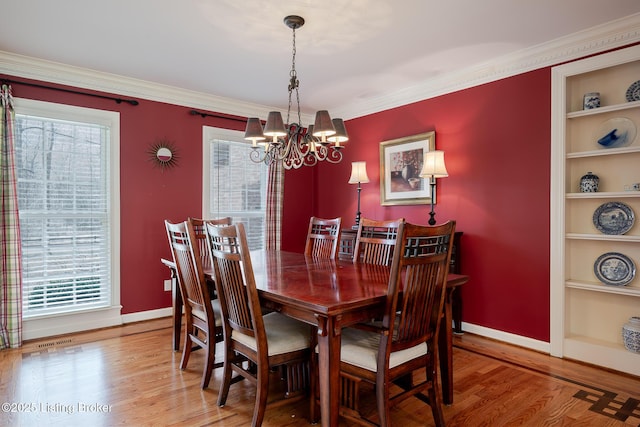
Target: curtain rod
[(117, 100), (218, 116)]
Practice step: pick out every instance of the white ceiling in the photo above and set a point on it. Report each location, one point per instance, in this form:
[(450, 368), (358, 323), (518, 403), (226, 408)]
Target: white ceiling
[(350, 53)]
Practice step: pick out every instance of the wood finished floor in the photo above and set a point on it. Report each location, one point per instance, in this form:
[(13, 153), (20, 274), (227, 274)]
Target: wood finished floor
[(129, 376)]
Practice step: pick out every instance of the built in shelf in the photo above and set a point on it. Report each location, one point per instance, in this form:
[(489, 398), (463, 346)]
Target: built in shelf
[(601, 110), (603, 152), (599, 287), (603, 353), (604, 237), (603, 195)]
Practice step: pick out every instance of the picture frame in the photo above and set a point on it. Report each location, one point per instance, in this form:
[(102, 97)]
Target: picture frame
[(400, 165)]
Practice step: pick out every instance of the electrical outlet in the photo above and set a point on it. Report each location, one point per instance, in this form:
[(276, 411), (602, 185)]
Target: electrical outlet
[(167, 285)]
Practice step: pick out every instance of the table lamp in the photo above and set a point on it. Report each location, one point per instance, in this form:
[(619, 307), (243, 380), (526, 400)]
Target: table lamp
[(358, 175), (433, 167)]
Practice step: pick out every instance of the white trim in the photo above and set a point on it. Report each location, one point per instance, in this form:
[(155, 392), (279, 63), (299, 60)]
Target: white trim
[(92, 318), (507, 337), (209, 133), (141, 316), (612, 35), (562, 343), (69, 323), (557, 228)]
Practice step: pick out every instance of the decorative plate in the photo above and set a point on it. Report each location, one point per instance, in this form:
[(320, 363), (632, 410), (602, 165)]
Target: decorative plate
[(614, 268), (616, 132), (613, 218), (633, 93)]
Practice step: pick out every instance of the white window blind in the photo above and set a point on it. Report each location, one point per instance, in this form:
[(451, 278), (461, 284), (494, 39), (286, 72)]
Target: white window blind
[(235, 186), (64, 204)]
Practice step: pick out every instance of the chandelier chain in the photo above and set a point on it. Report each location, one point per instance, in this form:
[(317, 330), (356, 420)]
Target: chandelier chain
[(294, 83)]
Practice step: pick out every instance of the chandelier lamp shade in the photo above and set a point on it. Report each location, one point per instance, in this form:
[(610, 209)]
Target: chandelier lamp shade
[(289, 142), (358, 176), (433, 167)]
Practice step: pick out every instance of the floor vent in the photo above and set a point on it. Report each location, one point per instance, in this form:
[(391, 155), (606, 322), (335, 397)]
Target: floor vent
[(55, 343)]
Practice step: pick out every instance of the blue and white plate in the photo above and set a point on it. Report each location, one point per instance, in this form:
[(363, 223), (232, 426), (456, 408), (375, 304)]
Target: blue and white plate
[(615, 269), (616, 132), (633, 93), (613, 218)]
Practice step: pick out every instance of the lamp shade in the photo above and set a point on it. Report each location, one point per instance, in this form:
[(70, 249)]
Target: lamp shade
[(253, 131), (433, 165), (341, 132), (323, 125), (275, 125), (358, 173)]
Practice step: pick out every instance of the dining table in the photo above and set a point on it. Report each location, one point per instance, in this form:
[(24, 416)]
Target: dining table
[(333, 294)]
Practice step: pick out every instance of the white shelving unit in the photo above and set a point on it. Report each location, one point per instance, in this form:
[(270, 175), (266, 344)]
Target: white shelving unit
[(586, 315)]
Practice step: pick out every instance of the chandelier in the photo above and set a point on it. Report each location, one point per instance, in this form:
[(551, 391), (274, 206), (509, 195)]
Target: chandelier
[(291, 144)]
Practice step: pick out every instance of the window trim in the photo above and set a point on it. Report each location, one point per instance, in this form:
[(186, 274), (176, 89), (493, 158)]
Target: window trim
[(91, 318), (209, 133)]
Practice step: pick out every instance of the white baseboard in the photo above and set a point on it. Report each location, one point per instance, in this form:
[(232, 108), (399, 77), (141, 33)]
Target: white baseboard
[(147, 315), (69, 323), (86, 321), (507, 337)]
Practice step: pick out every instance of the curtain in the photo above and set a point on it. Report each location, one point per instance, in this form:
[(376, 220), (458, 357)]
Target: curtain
[(275, 196), (10, 249)]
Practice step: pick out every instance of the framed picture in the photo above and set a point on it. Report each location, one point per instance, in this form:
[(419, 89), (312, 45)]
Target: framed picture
[(400, 165)]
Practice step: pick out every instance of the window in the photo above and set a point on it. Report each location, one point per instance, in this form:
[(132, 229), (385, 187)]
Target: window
[(67, 171), (234, 185)]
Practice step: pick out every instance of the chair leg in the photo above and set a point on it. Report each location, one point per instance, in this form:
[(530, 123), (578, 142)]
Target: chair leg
[(226, 377), (186, 348), (262, 390), (208, 364), (435, 399), (210, 359), (382, 399)]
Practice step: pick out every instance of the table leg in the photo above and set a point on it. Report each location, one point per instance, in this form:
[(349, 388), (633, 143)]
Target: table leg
[(329, 370), (445, 351), (176, 297), (456, 307)]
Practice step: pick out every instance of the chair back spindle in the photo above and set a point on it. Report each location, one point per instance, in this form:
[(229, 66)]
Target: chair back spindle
[(376, 240), (232, 266), (322, 237), (424, 255), (200, 234)]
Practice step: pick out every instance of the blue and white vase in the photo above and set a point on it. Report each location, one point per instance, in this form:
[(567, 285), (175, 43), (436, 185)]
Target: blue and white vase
[(631, 334), (589, 183), (591, 100)]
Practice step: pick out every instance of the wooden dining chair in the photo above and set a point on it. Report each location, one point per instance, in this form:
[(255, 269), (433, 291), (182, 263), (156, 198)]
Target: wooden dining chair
[(323, 237), (201, 236), (254, 343), (203, 319), (405, 342), (376, 240)]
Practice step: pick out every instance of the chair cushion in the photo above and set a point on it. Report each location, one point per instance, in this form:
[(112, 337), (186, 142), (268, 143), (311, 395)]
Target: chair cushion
[(284, 334), (217, 314), (360, 348)]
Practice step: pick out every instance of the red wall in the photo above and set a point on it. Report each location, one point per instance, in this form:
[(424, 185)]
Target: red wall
[(496, 138)]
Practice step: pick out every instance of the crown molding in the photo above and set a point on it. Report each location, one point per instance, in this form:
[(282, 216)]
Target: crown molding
[(612, 35), (54, 72)]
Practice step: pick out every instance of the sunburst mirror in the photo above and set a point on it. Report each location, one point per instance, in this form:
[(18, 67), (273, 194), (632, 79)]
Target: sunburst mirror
[(163, 154)]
